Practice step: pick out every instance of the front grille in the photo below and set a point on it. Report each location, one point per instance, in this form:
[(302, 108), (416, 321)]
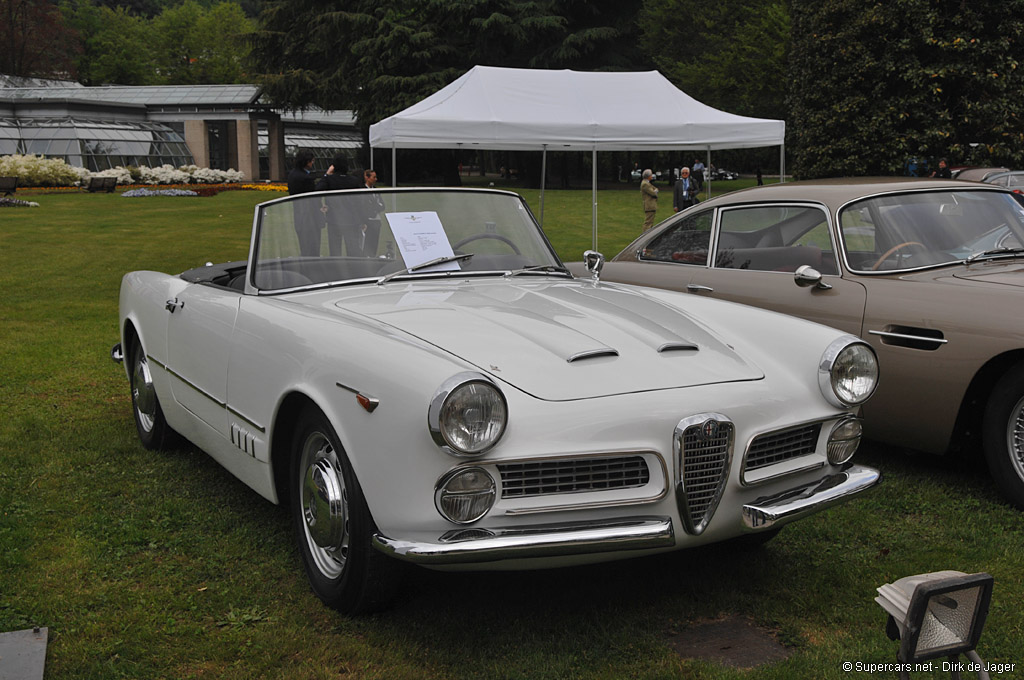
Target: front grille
[(704, 461), (777, 447), (572, 475)]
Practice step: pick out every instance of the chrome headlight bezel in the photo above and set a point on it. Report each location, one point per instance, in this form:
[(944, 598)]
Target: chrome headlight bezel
[(842, 356), (473, 504), (439, 414)]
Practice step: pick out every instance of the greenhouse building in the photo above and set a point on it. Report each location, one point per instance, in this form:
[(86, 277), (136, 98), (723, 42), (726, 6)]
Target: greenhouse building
[(217, 126)]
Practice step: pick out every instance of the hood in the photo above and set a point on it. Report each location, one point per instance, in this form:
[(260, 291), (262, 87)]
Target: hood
[(558, 340), (994, 272)]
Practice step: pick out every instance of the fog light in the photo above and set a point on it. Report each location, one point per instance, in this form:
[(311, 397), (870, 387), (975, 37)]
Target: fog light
[(938, 614), (464, 495), (844, 440)]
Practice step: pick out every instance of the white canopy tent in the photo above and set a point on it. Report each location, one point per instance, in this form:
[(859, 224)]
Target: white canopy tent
[(539, 110)]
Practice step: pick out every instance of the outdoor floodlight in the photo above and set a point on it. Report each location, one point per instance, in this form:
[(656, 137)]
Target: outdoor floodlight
[(937, 614)]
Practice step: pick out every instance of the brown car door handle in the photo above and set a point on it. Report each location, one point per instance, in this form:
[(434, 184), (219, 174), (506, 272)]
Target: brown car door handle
[(697, 288)]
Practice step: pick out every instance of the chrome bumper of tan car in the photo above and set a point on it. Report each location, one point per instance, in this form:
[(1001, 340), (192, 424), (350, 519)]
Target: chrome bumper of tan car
[(809, 498), (468, 546)]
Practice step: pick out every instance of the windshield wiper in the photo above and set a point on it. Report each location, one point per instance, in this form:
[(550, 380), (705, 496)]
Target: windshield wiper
[(995, 252), (540, 269), (423, 265)]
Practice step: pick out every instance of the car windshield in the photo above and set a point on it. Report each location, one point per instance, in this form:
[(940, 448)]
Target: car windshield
[(913, 230), (382, 235)]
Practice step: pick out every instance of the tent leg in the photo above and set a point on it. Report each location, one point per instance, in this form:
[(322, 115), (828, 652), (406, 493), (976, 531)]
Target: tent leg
[(782, 163), (394, 166), (594, 193), (543, 180), (707, 176)]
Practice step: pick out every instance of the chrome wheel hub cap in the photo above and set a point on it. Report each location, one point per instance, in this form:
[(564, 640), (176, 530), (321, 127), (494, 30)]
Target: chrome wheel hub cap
[(1015, 438), (143, 393), (324, 506)]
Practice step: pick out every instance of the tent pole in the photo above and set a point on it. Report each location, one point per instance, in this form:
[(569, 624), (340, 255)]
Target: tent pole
[(594, 209), (394, 166), (782, 163), (707, 175), (543, 180), (371, 156)]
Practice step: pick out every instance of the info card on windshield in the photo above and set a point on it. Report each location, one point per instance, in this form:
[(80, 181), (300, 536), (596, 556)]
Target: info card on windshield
[(421, 238)]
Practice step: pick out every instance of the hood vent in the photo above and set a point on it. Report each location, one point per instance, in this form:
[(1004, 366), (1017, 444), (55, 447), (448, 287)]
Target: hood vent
[(678, 346), (593, 354)]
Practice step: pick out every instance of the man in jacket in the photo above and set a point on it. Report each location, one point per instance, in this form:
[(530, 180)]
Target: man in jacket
[(685, 192)]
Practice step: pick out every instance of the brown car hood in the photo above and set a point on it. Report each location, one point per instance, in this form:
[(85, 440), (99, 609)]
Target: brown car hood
[(997, 273)]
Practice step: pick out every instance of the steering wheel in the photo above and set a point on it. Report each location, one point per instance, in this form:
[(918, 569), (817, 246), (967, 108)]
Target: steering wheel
[(497, 237), (893, 250)]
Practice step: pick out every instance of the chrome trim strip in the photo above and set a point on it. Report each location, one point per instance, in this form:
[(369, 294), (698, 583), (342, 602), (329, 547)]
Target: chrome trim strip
[(809, 498), (591, 353), (551, 540), (917, 338), (209, 396)]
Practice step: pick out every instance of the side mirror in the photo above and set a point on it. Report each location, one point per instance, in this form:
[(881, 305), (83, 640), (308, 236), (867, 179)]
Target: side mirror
[(806, 276), (594, 262)]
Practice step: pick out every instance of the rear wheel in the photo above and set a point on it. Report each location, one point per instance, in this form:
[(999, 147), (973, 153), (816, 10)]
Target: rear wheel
[(154, 432), (1004, 435), (332, 523)]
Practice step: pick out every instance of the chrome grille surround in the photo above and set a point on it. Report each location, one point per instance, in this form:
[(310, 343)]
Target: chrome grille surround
[(530, 479), (781, 445), (703, 446)]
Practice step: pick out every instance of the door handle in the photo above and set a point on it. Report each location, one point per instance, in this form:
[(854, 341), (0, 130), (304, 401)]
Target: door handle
[(171, 305), (697, 288)]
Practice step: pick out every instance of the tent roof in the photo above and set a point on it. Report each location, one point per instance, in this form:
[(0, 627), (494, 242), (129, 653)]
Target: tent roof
[(530, 109)]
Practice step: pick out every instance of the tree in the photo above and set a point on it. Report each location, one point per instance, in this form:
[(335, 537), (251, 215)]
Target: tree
[(34, 40), (196, 45), (378, 58), (875, 83), (730, 54), (116, 45)]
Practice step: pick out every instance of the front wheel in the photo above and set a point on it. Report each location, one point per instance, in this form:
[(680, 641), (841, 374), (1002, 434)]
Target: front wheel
[(1003, 435), (332, 523), (154, 432)]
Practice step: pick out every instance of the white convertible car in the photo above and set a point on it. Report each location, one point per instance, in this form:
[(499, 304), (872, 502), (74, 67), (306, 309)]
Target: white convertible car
[(419, 378)]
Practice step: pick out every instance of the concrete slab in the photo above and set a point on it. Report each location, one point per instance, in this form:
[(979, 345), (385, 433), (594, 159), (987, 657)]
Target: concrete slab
[(23, 654)]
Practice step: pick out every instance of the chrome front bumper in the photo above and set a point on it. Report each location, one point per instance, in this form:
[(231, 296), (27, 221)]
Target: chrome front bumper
[(469, 546), (804, 500), (477, 545)]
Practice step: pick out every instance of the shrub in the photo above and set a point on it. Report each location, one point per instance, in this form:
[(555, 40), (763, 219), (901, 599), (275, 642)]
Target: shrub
[(37, 171)]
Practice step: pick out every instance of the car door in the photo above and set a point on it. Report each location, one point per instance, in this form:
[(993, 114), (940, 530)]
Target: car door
[(670, 258), (199, 331), (758, 248)]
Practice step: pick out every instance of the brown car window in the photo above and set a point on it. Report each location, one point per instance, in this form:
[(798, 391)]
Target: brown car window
[(778, 238), (686, 242)]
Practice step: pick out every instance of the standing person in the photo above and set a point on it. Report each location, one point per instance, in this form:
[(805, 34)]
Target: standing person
[(364, 240), (307, 227), (649, 194), (698, 173), (760, 178), (943, 172), (684, 194), (338, 214)]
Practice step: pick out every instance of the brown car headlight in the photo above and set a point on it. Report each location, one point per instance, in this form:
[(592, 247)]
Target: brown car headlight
[(467, 415), (464, 495), (848, 372)]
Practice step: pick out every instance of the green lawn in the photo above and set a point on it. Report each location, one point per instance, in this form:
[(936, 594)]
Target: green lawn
[(149, 565)]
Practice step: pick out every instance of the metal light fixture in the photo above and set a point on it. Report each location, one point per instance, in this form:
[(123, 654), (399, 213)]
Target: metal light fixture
[(937, 614)]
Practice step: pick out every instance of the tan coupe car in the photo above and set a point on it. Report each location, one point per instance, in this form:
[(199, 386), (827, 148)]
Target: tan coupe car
[(930, 273)]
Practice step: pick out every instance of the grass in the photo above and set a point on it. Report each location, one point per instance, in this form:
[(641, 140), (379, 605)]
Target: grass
[(149, 565)]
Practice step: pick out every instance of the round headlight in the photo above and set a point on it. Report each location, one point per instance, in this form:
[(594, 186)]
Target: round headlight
[(844, 440), (467, 415), (848, 373), (465, 495)]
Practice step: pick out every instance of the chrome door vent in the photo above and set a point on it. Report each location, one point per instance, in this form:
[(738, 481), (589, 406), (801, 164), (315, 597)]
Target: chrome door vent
[(928, 339), (703, 445)]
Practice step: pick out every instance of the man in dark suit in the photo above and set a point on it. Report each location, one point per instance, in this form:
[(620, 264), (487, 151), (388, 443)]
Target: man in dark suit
[(342, 221), (685, 192), (300, 181)]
